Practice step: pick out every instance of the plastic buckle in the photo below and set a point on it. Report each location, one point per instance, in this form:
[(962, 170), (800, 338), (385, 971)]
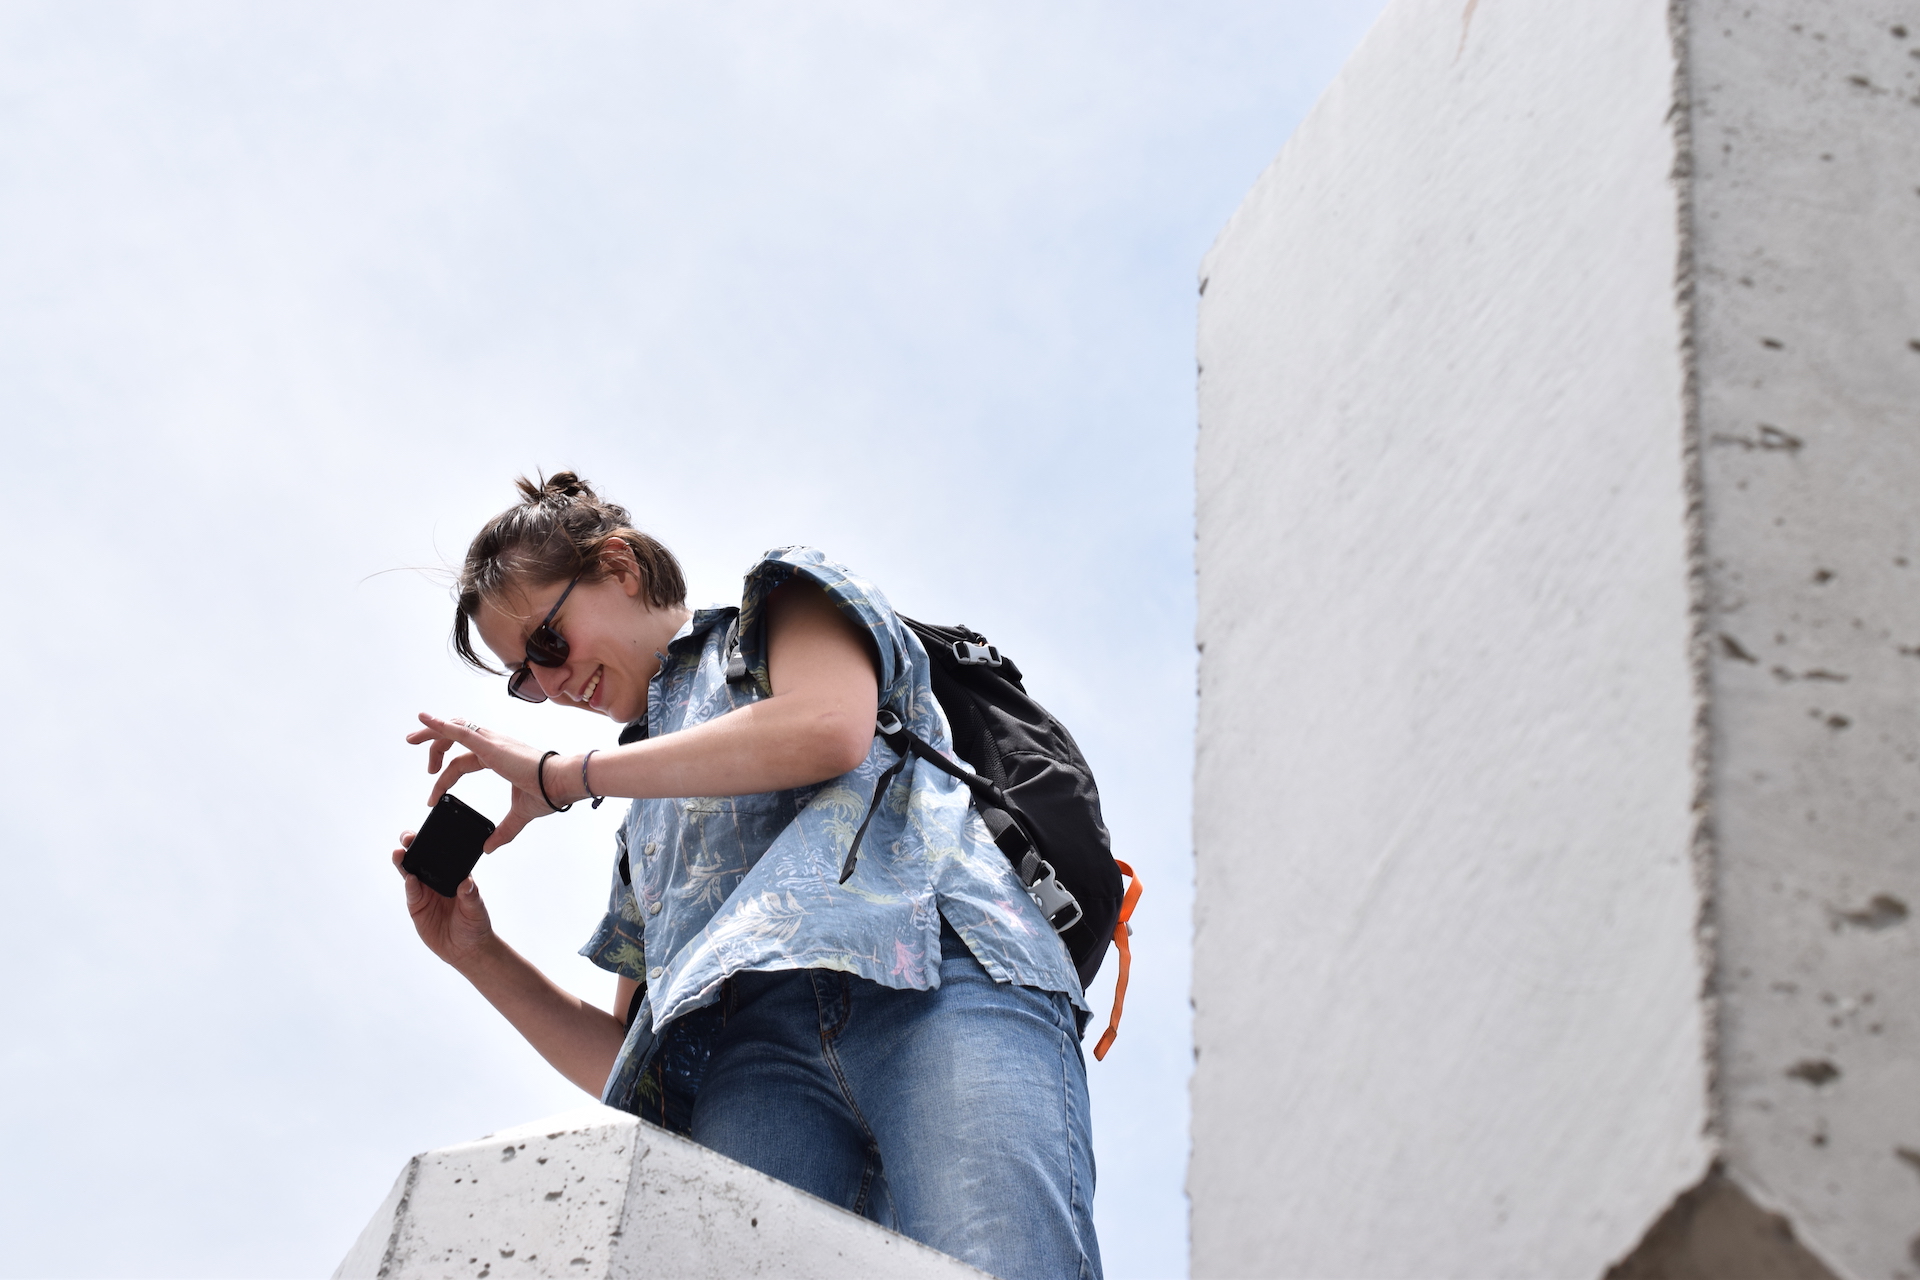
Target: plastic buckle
[(1053, 900), (970, 654), (887, 724), (736, 661)]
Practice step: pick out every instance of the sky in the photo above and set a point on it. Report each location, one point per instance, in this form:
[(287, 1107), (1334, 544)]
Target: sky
[(290, 293)]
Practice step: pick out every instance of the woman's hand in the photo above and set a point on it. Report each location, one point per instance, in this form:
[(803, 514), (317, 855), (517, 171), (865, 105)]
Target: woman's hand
[(579, 1039), (456, 929), (515, 761)]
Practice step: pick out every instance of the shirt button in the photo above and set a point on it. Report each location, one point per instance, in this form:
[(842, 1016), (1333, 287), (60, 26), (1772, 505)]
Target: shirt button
[(653, 908), (653, 975), (653, 847)]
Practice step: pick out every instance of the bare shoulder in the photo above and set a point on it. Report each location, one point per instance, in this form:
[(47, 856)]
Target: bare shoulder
[(806, 632)]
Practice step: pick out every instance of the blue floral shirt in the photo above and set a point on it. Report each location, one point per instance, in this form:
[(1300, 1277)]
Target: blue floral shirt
[(705, 887)]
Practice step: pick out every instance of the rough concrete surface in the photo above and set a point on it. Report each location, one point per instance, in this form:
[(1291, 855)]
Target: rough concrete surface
[(1806, 267), (1446, 983), (1558, 769), (597, 1193)]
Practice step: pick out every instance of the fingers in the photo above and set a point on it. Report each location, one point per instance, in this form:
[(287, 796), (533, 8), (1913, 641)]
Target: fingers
[(475, 926), (416, 895), (510, 826), (461, 766), (414, 887), (438, 750), (444, 734), (464, 732)]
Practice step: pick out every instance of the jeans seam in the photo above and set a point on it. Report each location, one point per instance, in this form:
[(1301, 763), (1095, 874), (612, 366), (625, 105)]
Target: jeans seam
[(1074, 1209), (833, 1061), (840, 1078), (846, 1009)]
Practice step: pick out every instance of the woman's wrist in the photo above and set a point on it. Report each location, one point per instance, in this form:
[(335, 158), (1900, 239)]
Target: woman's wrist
[(550, 776), (562, 781), (481, 958)]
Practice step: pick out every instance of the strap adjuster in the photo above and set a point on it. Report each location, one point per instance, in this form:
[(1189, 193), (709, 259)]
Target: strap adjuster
[(969, 654), (1062, 909), (736, 660)]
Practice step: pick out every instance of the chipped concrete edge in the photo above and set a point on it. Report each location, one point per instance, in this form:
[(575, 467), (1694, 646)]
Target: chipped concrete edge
[(399, 1219), (372, 1251), (1699, 585)]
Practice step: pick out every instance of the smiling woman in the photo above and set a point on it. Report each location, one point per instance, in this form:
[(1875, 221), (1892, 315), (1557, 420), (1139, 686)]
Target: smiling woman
[(904, 1044)]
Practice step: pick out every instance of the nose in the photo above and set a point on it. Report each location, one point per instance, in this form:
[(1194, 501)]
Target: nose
[(552, 679)]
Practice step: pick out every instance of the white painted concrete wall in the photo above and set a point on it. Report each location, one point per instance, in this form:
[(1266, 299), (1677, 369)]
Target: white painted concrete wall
[(1806, 198), (595, 1193), (1563, 345), (1446, 978)]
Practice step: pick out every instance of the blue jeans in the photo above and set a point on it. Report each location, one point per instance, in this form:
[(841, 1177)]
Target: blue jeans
[(957, 1117)]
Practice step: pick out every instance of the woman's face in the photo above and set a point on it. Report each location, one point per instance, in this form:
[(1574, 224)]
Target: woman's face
[(611, 641)]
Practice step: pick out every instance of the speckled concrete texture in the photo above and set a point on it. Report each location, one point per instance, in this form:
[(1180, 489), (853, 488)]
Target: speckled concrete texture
[(1806, 275), (596, 1193)]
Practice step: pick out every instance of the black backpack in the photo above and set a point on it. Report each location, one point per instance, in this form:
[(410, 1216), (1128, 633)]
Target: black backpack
[(1033, 789)]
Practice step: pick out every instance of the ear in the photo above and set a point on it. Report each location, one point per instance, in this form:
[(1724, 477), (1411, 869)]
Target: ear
[(616, 557)]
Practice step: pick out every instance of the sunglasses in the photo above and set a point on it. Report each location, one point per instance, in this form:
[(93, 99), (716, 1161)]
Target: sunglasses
[(545, 648)]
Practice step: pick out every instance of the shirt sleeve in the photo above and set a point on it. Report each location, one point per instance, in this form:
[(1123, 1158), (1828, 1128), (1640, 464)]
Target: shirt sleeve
[(858, 599), (619, 945)]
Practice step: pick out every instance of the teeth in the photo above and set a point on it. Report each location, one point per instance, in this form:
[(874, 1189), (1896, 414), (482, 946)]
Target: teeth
[(586, 694)]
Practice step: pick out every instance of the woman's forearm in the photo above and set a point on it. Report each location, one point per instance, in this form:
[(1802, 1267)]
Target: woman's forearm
[(817, 725), (766, 746), (579, 1040)]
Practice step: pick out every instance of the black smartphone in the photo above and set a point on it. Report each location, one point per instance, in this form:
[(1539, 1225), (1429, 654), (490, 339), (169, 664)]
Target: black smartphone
[(447, 846)]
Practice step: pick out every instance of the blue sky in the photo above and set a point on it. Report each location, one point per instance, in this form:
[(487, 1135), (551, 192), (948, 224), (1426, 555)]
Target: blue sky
[(288, 295)]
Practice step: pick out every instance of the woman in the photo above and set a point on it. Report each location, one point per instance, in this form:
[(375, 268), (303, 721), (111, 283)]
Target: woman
[(904, 1044)]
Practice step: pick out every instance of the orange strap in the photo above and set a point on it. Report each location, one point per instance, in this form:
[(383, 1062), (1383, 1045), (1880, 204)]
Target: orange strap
[(1120, 937)]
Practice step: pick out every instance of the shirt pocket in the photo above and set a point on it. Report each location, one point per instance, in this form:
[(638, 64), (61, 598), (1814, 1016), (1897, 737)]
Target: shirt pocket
[(719, 833), (764, 802)]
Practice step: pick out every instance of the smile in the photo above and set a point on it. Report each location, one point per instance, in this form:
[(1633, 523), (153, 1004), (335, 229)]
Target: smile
[(593, 683)]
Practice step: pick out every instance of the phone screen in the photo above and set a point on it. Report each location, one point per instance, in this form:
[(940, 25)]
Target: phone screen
[(448, 845)]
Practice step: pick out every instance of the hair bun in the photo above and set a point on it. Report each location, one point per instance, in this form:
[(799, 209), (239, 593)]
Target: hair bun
[(558, 489)]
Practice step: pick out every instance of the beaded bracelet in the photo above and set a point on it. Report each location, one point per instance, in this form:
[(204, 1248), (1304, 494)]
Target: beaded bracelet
[(584, 784)]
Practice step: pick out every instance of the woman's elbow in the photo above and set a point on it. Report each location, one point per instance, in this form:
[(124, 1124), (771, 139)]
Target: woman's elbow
[(841, 742)]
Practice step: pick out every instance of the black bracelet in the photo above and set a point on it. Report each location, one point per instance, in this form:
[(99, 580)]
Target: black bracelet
[(540, 776), (584, 784)]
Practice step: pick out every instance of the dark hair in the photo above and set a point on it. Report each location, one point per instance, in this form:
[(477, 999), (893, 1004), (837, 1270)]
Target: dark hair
[(559, 528)]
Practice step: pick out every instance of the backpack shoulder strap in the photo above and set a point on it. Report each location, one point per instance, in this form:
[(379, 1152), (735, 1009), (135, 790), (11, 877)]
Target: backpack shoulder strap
[(1060, 907)]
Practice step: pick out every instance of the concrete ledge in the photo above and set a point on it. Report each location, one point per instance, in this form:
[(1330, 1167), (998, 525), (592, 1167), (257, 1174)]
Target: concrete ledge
[(594, 1192)]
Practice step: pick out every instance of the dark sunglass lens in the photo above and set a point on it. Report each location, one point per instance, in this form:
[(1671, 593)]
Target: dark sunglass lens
[(546, 647), (523, 686)]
